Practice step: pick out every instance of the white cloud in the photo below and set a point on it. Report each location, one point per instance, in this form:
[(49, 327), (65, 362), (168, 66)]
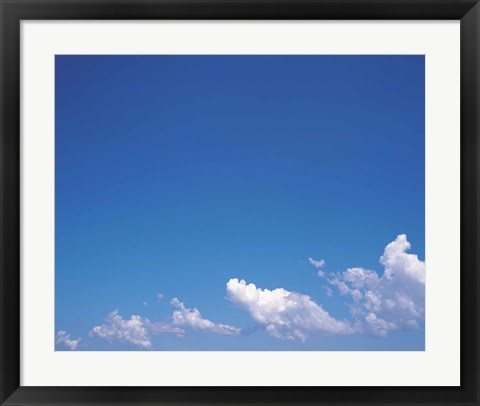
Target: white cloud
[(284, 314), (329, 291), (63, 338), (379, 326), (399, 264), (160, 296), (395, 300), (192, 318), (360, 277), (356, 295), (133, 331), (162, 328), (379, 304), (342, 287), (319, 264)]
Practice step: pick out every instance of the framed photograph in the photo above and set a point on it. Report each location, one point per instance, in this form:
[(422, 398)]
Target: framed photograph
[(235, 202)]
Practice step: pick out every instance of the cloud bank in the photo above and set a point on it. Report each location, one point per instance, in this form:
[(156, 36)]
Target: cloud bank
[(378, 304)]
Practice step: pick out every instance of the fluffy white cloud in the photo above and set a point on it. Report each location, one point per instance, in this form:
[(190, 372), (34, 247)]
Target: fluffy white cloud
[(63, 338), (319, 264), (379, 304), (284, 314), (133, 331), (137, 330), (395, 300), (192, 318), (399, 264)]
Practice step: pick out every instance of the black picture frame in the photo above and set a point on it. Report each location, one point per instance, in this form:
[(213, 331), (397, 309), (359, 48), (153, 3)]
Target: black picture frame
[(11, 14)]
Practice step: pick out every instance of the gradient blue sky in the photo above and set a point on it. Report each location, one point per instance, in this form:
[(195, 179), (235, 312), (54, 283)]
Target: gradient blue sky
[(175, 174)]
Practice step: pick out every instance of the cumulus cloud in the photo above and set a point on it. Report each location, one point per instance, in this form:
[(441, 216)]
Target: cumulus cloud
[(63, 338), (192, 318), (378, 303), (284, 314), (133, 331), (137, 330), (398, 263), (319, 264), (395, 300)]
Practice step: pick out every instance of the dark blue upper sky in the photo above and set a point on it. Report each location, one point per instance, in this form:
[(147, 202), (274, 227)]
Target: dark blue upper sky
[(175, 174)]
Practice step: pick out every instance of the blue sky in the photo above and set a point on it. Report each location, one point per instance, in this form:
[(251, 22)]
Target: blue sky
[(178, 174)]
